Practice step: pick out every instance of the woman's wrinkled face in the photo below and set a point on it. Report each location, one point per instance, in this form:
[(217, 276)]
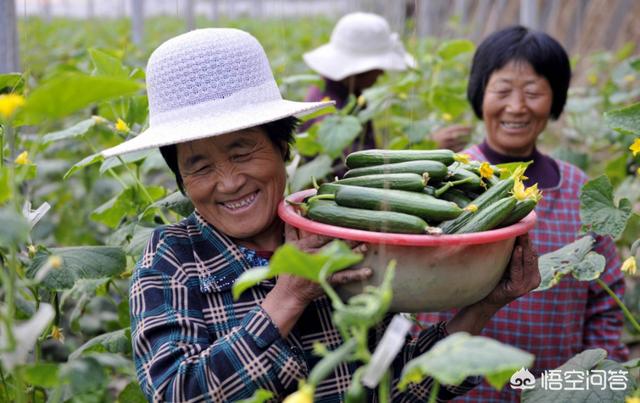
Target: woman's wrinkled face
[(235, 181), (516, 108)]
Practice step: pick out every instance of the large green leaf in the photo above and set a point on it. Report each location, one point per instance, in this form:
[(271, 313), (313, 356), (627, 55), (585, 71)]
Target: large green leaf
[(127, 203), (338, 132), (598, 211), (576, 258), (626, 120), (132, 394), (85, 162), (79, 129), (69, 92), (10, 80), (448, 101), (106, 65), (583, 364), (452, 360), (84, 375), (318, 168), (114, 342), (177, 202), (43, 374), (452, 48), (128, 158), (80, 262), (14, 230), (290, 260)]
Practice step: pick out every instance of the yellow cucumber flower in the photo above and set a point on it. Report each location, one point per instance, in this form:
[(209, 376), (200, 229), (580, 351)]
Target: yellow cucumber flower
[(485, 170), (325, 99), (56, 261), (462, 158), (629, 265), (472, 208), (9, 103), (361, 101), (23, 158), (518, 190), (632, 399), (629, 78), (121, 126), (447, 117), (302, 395), (592, 79), (56, 333), (635, 147), (533, 192)]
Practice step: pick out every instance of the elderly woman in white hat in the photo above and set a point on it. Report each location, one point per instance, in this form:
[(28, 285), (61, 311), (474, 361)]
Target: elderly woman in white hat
[(362, 47), (225, 132)]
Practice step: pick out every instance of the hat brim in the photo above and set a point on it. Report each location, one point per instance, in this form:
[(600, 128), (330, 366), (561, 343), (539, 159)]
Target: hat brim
[(335, 64), (182, 131)]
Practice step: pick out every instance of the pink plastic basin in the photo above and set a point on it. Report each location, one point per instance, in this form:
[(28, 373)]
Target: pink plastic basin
[(433, 272)]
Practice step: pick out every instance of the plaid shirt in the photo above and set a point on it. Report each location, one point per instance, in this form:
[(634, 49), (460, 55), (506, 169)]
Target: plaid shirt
[(572, 316), (193, 342)]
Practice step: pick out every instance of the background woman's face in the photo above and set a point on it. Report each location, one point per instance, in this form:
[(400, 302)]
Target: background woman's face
[(234, 180), (516, 108)]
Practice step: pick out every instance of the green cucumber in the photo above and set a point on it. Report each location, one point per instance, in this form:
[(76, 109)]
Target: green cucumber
[(367, 158), (520, 211), (329, 212), (328, 188), (474, 182), (422, 205), (490, 217), (457, 196), (402, 181), (494, 193), (435, 169), (429, 190)]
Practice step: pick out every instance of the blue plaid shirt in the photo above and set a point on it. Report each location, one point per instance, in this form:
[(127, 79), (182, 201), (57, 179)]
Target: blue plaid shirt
[(193, 342)]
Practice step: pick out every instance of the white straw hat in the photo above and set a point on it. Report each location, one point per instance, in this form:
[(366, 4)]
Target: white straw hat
[(359, 42), (209, 82)]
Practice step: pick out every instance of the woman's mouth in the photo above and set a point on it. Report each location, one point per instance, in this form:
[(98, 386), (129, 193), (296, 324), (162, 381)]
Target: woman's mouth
[(242, 203), (514, 125)]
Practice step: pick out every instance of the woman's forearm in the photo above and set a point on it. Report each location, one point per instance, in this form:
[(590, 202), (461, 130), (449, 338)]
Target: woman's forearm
[(472, 319), (284, 310)]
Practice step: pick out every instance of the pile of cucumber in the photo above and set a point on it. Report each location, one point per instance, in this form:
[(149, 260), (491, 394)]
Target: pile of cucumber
[(421, 192)]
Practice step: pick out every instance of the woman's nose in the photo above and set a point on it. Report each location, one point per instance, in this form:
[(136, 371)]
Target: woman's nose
[(229, 180), (516, 103)]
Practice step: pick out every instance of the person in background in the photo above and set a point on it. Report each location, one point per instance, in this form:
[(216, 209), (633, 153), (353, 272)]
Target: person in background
[(518, 81), (361, 49), (224, 130)]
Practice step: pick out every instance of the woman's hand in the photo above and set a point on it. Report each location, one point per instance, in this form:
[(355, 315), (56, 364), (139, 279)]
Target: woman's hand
[(291, 294), (452, 137), (521, 277)]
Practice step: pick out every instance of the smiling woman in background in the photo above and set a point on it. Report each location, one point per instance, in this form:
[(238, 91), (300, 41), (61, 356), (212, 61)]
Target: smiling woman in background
[(518, 81)]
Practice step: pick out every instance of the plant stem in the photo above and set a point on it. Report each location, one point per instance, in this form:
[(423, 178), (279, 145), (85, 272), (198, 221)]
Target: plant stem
[(624, 308), (435, 388), (331, 293), (384, 388)]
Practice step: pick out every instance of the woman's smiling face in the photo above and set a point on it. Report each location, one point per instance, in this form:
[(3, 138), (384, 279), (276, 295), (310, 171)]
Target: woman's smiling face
[(235, 181), (515, 108)]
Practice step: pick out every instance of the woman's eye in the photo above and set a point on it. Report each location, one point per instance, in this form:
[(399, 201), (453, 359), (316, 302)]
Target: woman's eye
[(241, 157)]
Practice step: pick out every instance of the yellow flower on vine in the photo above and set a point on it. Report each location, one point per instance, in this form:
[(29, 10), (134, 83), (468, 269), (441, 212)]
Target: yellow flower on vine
[(361, 100), (402, 95), (629, 78), (592, 79), (485, 170), (533, 192), (9, 103), (302, 395), (462, 158), (629, 265), (325, 99), (121, 126), (56, 333), (23, 158), (55, 261), (635, 147), (518, 190), (447, 117), (632, 399)]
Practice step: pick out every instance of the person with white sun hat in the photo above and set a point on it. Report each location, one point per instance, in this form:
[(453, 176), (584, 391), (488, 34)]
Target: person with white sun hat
[(362, 47), (224, 130)]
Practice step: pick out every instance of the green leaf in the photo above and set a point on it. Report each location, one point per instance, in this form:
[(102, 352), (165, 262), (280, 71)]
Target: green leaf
[(290, 260), (90, 160), (177, 202), (318, 168), (327, 110), (616, 170), (84, 375), (10, 80), (14, 230), (132, 394), (452, 360), (338, 132), (307, 144), (114, 342), (79, 129), (625, 120), (128, 203), (80, 262), (6, 190), (69, 92), (260, 396), (584, 362), (139, 241), (107, 65), (447, 101), (598, 212), (43, 374), (507, 169), (452, 48), (574, 257), (128, 158), (635, 64)]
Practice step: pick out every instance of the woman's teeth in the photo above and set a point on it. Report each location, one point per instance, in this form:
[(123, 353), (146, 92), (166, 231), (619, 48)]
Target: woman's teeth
[(241, 203), (515, 125)]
